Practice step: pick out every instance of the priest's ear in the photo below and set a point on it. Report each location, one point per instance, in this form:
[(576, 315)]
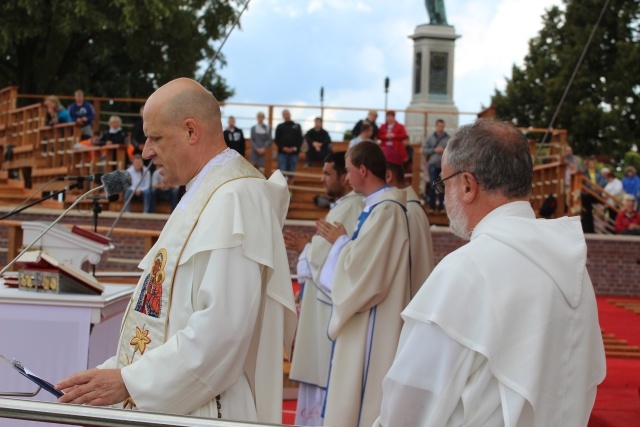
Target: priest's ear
[(389, 177), (344, 182), (193, 130), (470, 187)]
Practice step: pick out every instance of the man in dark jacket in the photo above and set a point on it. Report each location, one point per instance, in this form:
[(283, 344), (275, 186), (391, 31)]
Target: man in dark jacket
[(319, 143), (234, 137), (289, 140)]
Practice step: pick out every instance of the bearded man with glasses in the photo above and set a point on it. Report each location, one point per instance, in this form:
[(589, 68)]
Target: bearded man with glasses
[(505, 329)]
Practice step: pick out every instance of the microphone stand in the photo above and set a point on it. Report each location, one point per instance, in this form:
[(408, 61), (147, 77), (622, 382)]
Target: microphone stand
[(6, 267), (78, 184), (127, 202)]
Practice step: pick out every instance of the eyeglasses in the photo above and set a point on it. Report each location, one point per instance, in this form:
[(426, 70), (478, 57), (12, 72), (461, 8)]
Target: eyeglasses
[(439, 184)]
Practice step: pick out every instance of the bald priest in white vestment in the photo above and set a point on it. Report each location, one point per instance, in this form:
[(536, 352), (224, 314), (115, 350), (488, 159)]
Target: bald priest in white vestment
[(310, 364), (422, 262), (204, 332), (369, 287), (505, 331)]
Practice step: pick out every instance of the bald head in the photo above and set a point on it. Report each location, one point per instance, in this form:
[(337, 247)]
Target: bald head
[(184, 98), (184, 130)]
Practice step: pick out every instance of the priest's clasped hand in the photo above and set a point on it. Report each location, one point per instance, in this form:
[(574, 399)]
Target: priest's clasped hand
[(330, 231), (95, 387), (295, 241)]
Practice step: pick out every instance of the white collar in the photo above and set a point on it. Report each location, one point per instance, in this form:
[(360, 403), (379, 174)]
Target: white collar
[(192, 186)]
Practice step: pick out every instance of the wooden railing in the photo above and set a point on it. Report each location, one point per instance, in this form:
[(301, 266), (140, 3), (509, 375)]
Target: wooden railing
[(605, 207), (549, 179), (8, 99)]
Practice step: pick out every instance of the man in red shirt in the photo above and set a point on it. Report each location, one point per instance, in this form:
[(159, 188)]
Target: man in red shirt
[(393, 134)]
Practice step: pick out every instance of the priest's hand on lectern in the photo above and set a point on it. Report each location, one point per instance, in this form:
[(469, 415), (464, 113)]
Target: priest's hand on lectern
[(95, 387)]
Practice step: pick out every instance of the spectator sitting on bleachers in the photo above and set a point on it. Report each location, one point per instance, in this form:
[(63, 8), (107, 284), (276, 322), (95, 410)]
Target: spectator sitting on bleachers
[(56, 113), (161, 191), (88, 142), (631, 182), (115, 134), (82, 113), (140, 184), (318, 143), (628, 219), (366, 134)]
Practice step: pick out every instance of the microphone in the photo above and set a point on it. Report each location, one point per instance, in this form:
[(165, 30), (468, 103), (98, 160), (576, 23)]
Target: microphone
[(116, 182), (89, 178)]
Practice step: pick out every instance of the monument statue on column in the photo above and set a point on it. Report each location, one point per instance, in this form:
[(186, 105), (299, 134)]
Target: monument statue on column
[(433, 63), (437, 15)]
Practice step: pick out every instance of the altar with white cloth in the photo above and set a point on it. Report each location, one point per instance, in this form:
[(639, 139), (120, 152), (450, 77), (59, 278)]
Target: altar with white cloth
[(56, 335)]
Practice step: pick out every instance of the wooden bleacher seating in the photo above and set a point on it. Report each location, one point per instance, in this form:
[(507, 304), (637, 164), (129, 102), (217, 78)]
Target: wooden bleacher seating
[(39, 153)]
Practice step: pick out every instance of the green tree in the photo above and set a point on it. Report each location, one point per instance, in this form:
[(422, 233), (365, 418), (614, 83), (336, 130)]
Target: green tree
[(602, 108), (115, 48)]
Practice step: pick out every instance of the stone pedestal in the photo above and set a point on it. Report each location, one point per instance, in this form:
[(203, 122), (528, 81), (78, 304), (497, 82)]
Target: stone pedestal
[(432, 92)]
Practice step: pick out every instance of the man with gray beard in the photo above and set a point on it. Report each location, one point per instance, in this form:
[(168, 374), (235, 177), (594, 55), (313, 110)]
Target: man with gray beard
[(505, 329)]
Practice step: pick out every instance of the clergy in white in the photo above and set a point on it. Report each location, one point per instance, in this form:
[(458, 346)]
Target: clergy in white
[(204, 332), (368, 278), (505, 331), (310, 364), (419, 229)]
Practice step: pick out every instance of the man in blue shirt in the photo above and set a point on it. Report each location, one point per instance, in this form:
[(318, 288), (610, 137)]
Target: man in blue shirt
[(82, 113)]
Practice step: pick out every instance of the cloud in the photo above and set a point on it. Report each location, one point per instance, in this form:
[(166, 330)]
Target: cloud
[(287, 49), (497, 40)]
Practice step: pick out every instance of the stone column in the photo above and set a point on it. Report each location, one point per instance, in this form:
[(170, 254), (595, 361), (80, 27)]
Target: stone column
[(432, 91)]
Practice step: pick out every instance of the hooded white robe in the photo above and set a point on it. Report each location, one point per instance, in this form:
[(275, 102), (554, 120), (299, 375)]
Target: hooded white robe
[(504, 332)]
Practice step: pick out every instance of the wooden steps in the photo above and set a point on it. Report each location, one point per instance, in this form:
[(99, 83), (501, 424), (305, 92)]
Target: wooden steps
[(615, 347), (632, 306), (306, 187)]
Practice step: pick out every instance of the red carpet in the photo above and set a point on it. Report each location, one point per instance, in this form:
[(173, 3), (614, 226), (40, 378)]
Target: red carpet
[(289, 412), (618, 399)]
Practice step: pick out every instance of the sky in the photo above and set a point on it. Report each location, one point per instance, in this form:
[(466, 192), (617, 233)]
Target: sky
[(286, 50)]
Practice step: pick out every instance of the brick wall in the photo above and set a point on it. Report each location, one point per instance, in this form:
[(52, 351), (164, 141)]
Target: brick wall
[(613, 261)]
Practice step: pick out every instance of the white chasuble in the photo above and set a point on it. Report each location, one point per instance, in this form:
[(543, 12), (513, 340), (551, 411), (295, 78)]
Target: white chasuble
[(204, 332), (371, 287), (310, 364)]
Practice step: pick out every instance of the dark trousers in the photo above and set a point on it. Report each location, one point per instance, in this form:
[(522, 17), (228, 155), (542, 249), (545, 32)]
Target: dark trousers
[(434, 175), (171, 195), (317, 156)]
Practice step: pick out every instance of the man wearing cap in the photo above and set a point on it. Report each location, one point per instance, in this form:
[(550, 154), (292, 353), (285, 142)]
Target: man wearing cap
[(419, 233), (310, 364), (367, 276)]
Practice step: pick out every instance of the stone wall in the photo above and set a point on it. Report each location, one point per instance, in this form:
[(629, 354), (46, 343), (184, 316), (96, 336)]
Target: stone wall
[(613, 261)]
